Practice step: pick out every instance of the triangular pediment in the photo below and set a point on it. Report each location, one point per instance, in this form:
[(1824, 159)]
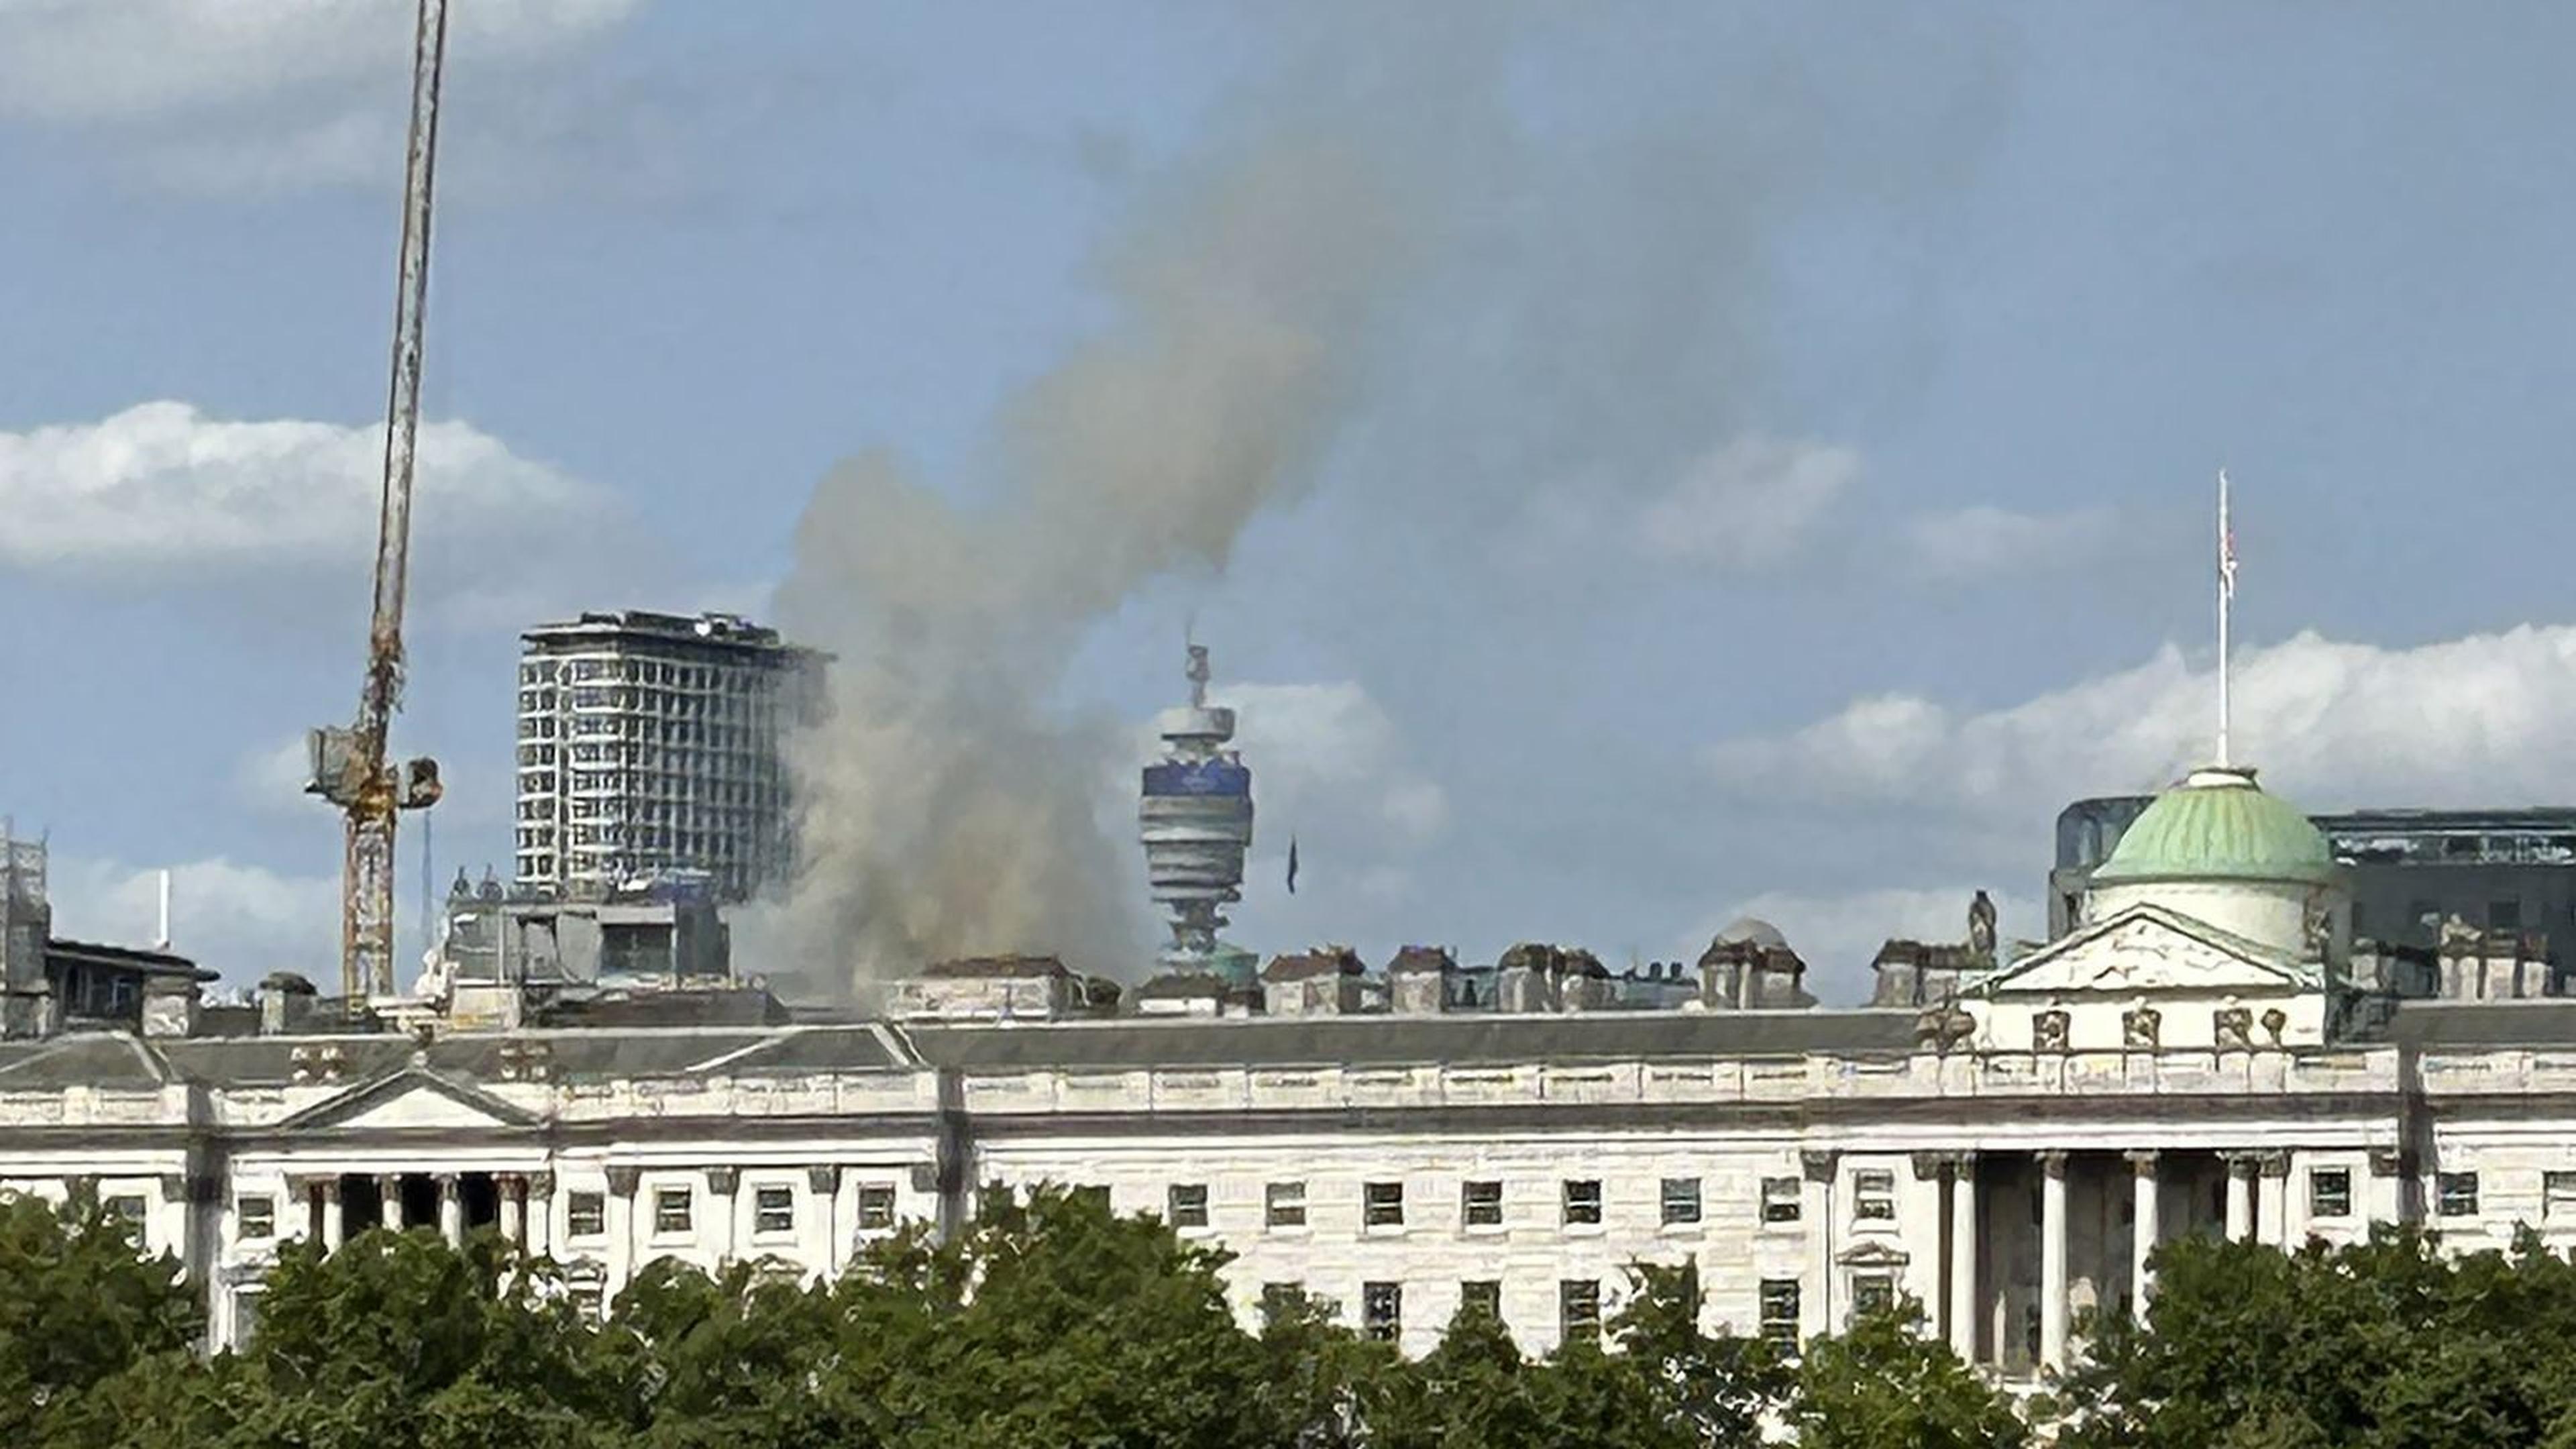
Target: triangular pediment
[(414, 1099), (2148, 950), (1873, 1254)]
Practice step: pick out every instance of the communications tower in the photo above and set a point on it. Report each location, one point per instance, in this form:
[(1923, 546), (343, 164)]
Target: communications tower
[(1196, 823)]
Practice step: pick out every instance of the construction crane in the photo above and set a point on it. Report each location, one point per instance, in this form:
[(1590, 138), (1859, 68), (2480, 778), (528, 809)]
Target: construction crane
[(349, 765)]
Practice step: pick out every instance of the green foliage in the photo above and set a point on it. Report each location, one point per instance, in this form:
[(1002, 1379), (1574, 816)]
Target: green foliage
[(1049, 1321), (78, 1309), (1888, 1385), (2386, 1343)]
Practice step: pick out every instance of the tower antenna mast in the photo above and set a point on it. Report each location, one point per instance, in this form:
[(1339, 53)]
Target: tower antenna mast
[(2226, 606)]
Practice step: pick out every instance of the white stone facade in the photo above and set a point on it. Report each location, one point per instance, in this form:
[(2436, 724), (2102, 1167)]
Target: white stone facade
[(1537, 1154)]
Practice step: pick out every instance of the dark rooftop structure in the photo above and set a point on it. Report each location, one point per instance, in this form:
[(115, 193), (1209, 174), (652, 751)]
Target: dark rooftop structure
[(2504, 871)]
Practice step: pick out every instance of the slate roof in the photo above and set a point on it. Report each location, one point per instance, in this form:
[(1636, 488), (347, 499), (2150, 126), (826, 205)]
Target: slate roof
[(119, 1060), (95, 1059), (1412, 1040), (2443, 1024)]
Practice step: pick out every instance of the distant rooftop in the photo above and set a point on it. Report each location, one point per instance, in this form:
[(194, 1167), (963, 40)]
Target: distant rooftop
[(599, 627)]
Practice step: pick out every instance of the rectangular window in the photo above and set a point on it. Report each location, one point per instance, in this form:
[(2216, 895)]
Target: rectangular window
[(671, 1210), (1582, 1201), (127, 1210), (1382, 1310), (2330, 1192), (2457, 1193), (1276, 1299), (1874, 1195), (1578, 1308), (255, 1218), (1872, 1293), (586, 1216), (1186, 1205), (876, 1207), (245, 1315), (1481, 1295), (1780, 1200), (2557, 1197), (1481, 1205), (1681, 1200), (1382, 1204), (1287, 1204), (773, 1210), (1780, 1311)]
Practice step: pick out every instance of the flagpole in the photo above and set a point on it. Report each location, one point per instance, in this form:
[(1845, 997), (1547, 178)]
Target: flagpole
[(2226, 598)]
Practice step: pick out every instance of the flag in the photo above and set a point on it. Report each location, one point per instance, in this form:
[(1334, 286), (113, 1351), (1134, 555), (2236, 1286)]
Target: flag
[(2226, 542), (1292, 865)]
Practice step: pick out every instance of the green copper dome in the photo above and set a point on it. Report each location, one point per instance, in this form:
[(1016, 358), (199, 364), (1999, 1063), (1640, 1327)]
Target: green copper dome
[(2218, 825)]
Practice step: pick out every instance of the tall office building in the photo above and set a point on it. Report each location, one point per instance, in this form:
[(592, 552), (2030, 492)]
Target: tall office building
[(651, 745)]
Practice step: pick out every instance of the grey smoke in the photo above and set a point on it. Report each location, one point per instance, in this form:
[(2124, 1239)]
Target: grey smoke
[(947, 806)]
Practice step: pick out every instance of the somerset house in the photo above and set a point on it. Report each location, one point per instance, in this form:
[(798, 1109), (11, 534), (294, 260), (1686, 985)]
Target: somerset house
[(2205, 1048)]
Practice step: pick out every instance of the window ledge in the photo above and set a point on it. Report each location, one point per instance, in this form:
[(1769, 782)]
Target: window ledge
[(1585, 1230)]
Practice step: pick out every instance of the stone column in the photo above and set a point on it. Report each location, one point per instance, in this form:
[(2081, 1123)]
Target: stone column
[(823, 1185), (541, 1211), (622, 1182), (2272, 1204), (2146, 1225), (2387, 1185), (1964, 1235), (2052, 1259), (510, 1188), (723, 1184), (389, 1196), (1816, 1210), (451, 1210), (2240, 1196), (335, 1216)]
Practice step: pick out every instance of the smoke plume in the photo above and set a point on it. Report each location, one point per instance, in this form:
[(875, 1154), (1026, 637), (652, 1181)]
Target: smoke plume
[(946, 807)]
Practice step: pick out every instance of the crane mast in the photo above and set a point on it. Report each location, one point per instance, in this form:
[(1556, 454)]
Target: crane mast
[(349, 765)]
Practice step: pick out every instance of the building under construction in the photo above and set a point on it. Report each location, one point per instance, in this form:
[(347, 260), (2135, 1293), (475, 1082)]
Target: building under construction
[(653, 743)]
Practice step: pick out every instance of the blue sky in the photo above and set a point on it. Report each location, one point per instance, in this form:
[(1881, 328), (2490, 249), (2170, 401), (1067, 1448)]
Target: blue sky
[(1760, 458)]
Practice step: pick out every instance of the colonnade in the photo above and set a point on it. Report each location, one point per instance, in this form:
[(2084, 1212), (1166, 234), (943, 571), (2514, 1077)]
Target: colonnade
[(2256, 1207), (524, 1206)]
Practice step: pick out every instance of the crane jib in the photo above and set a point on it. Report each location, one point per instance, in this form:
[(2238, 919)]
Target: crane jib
[(349, 766)]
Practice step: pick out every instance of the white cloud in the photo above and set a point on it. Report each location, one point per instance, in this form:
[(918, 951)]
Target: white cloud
[(242, 920), (1330, 750), (271, 778), (1984, 541), (130, 60), (1751, 502), (1838, 935), (2466, 722), (162, 485)]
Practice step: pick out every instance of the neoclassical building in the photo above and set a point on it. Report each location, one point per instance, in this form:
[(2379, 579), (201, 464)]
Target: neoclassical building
[(2204, 1050)]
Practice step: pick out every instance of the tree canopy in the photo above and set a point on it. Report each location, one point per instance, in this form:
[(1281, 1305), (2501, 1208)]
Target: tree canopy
[(1049, 1321), (2392, 1343)]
